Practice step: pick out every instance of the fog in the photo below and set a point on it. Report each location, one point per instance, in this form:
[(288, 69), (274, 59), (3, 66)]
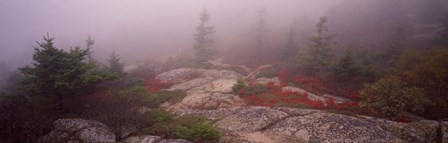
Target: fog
[(153, 29)]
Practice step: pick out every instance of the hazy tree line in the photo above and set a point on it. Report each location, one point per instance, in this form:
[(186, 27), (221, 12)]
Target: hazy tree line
[(409, 79)]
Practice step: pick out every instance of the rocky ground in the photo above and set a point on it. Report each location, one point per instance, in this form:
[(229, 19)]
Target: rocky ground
[(209, 93)]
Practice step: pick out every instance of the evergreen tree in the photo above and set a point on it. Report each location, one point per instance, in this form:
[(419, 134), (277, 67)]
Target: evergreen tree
[(442, 38), (203, 39), (58, 73), (346, 67), (4, 71), (319, 50), (260, 31), (291, 48), (89, 44), (115, 65), (396, 48)]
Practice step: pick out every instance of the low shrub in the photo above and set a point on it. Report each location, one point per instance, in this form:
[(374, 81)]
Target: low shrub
[(390, 96), (155, 100), (240, 84), (23, 122), (192, 128), (114, 110), (253, 90)]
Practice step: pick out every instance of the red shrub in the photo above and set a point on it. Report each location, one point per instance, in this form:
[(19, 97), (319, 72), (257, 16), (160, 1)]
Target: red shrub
[(154, 85)]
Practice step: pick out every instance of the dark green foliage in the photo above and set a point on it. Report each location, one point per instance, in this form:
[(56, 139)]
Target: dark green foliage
[(159, 115), (115, 110), (349, 70), (60, 73), (22, 122), (346, 67), (319, 52), (155, 100), (115, 66), (240, 84), (203, 40), (201, 132), (56, 71), (192, 128), (429, 71), (388, 97)]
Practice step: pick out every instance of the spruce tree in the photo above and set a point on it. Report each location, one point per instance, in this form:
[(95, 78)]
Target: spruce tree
[(203, 39), (56, 72), (260, 31), (291, 48), (319, 50), (115, 65), (346, 67), (89, 44), (442, 39)]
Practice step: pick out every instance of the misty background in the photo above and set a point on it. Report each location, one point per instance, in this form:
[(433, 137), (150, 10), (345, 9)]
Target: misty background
[(148, 29)]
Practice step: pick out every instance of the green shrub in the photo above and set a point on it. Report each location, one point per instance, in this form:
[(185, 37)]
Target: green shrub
[(240, 83), (138, 90), (155, 100), (199, 132), (253, 90), (159, 115), (192, 128), (390, 96)]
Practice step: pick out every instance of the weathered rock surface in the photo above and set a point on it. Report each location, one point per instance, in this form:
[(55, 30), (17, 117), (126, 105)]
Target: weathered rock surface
[(142, 139), (179, 75), (79, 130), (151, 139), (311, 96), (206, 89), (315, 97), (256, 72), (265, 81), (126, 130), (416, 132), (284, 125)]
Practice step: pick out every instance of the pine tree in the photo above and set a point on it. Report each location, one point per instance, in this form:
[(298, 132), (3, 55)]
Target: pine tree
[(319, 50), (115, 65), (203, 39)]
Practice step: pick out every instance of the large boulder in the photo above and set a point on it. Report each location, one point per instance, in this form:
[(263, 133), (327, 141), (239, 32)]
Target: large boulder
[(206, 89), (142, 139), (151, 139), (328, 127), (179, 75), (206, 101), (257, 71), (311, 96), (417, 132), (284, 125), (79, 130)]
